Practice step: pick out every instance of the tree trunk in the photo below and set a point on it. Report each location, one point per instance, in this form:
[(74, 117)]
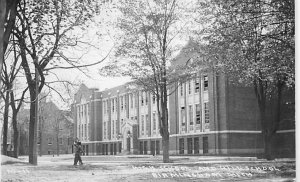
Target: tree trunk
[(5, 123), (41, 142), (268, 145), (165, 143), (2, 22), (267, 134), (32, 132), (16, 135), (57, 146), (41, 135), (165, 126)]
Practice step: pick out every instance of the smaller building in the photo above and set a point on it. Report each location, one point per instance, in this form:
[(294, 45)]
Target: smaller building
[(54, 130)]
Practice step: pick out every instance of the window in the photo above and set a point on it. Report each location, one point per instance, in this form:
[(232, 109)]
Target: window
[(39, 137), (78, 113), (142, 98), (49, 141), (60, 127), (107, 109), (205, 145), (125, 102), (78, 131), (145, 147), (104, 106), (147, 122), (131, 100), (181, 146), (146, 98), (142, 120), (122, 103), (85, 128), (191, 114), (113, 105), (198, 120), (104, 126), (141, 147), (182, 116), (89, 126), (206, 112), (113, 127), (153, 99), (196, 145), (189, 87), (181, 89), (87, 109), (135, 100), (205, 83), (154, 121), (60, 141), (157, 147), (190, 145), (197, 85)]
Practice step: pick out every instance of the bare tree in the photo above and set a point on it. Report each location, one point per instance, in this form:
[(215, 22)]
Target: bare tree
[(8, 10), (146, 52), (42, 40)]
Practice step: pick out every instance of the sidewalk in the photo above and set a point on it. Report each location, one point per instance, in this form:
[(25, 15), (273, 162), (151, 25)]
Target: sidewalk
[(157, 159)]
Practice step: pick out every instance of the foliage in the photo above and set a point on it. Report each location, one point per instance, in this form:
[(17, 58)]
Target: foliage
[(148, 39), (252, 39)]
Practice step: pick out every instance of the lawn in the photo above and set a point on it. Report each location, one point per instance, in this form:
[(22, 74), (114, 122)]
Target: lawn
[(133, 169)]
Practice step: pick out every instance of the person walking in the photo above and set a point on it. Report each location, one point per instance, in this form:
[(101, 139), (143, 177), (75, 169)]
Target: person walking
[(78, 152)]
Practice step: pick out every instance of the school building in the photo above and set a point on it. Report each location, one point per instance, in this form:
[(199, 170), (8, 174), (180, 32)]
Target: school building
[(207, 116)]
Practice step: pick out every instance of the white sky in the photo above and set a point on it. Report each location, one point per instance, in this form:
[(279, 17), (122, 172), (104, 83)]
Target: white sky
[(103, 45)]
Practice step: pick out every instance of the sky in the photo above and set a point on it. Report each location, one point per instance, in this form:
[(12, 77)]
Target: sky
[(101, 47)]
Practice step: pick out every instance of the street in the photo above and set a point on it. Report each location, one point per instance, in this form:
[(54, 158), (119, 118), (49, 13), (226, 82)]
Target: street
[(148, 168)]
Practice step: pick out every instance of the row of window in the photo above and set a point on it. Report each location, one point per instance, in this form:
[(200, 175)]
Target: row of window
[(111, 148), (50, 140), (83, 112), (115, 126), (191, 115), (122, 100), (154, 147), (83, 131), (153, 124), (196, 82), (193, 145), (197, 114)]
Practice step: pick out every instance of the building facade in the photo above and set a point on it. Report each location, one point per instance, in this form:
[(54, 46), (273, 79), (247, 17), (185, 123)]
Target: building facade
[(55, 130), (208, 115)]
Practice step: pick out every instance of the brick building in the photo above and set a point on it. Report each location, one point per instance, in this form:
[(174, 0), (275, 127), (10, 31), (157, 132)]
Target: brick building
[(55, 130), (207, 115)]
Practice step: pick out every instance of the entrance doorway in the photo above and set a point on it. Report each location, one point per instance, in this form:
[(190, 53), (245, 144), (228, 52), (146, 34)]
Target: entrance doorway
[(128, 141), (128, 144)]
